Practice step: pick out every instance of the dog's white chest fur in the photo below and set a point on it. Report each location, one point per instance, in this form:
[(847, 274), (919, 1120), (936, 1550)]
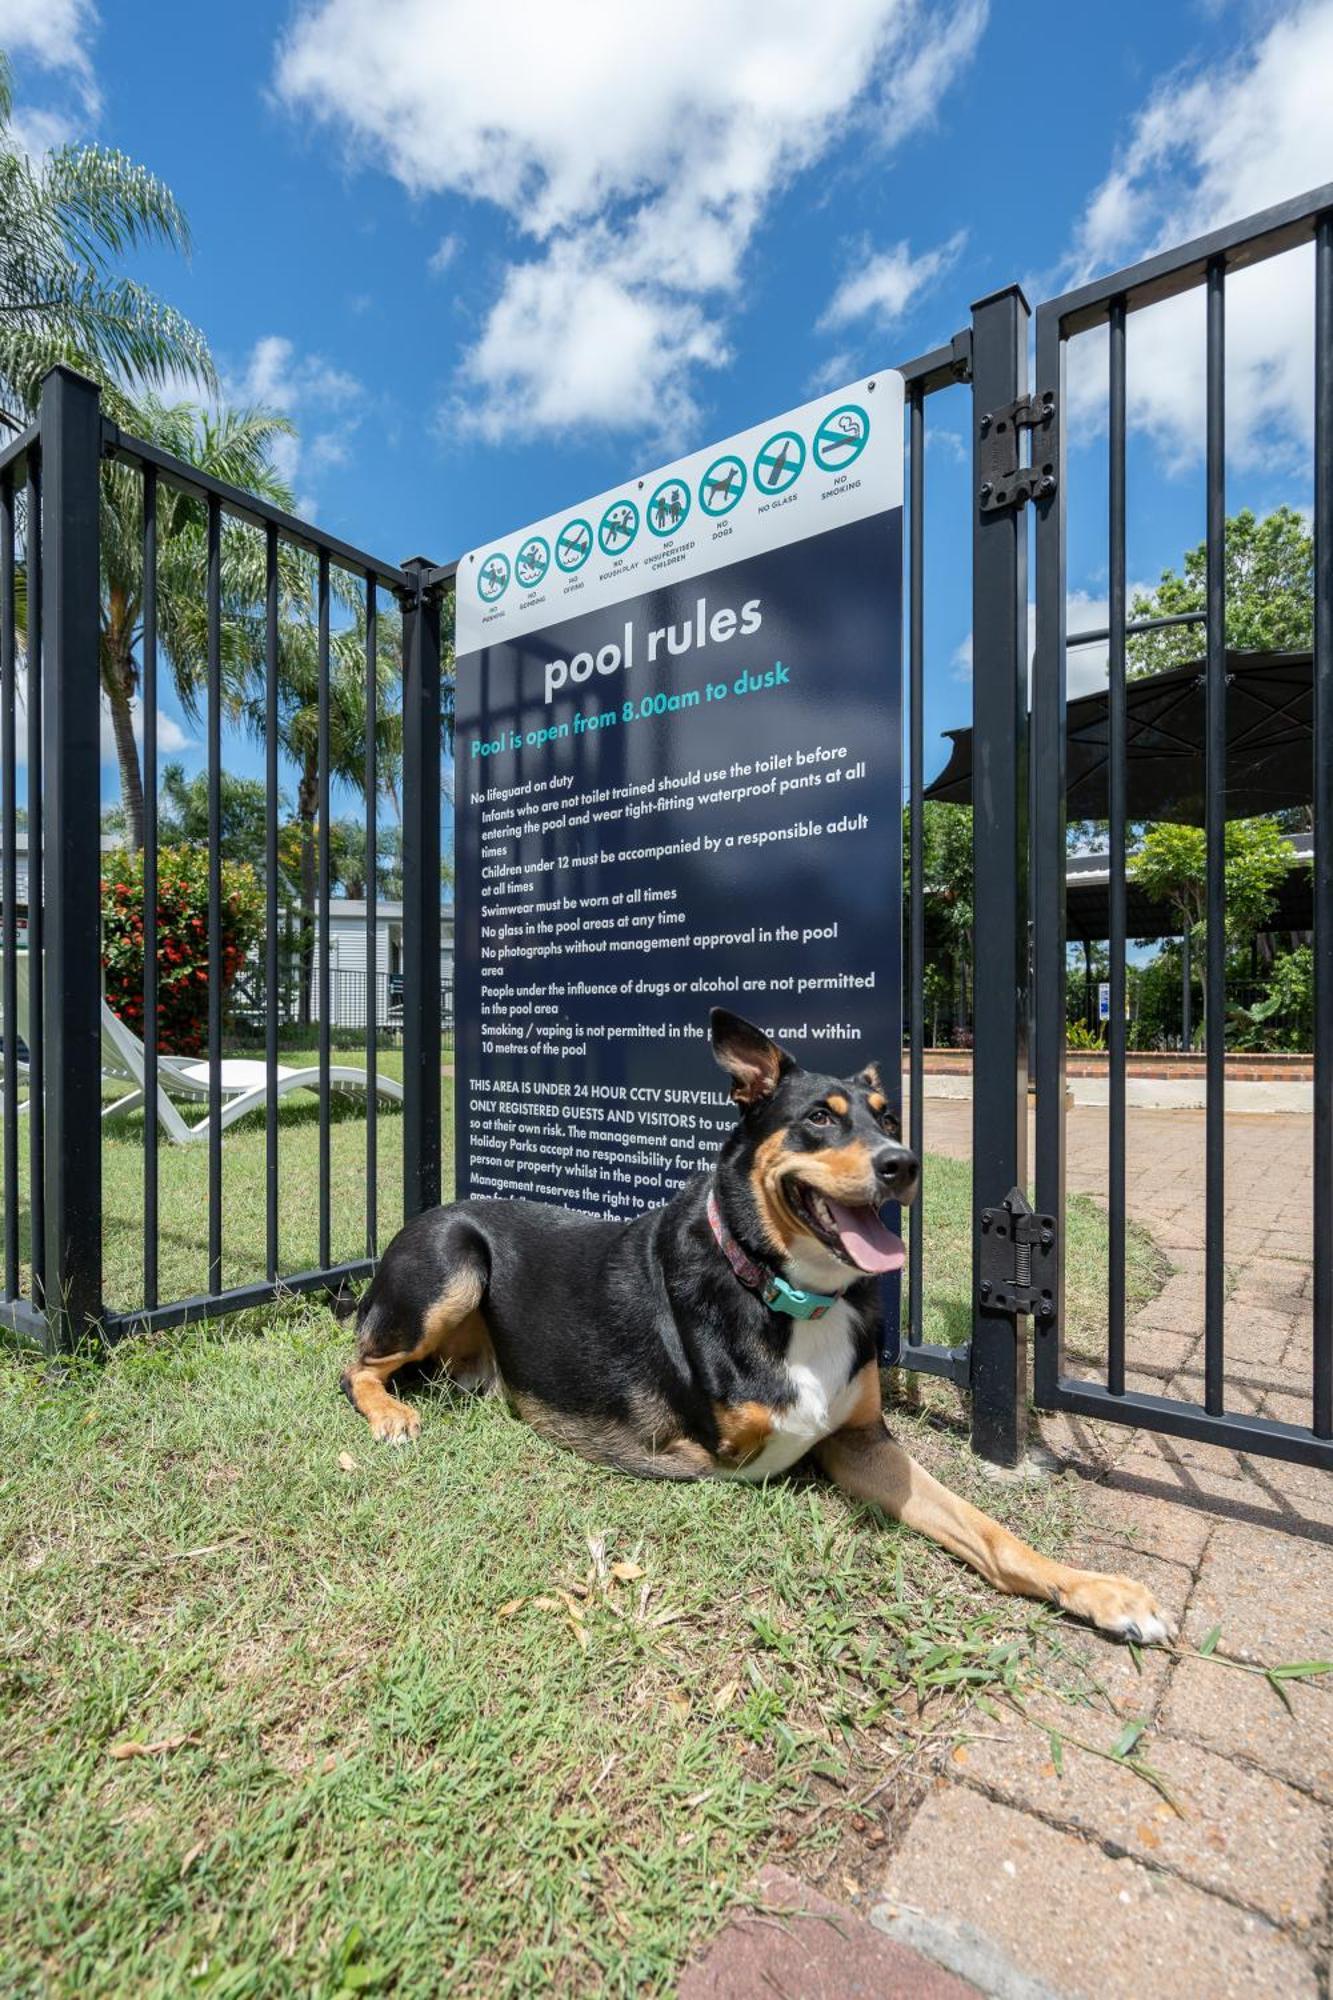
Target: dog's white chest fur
[(819, 1370)]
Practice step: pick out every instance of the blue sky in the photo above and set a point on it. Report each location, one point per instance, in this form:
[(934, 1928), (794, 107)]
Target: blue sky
[(493, 258)]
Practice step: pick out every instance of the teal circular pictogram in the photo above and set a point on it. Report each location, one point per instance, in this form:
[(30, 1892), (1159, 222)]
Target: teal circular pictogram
[(778, 463), (722, 485), (668, 508), (573, 545), (493, 578), (532, 561), (619, 525), (841, 438)]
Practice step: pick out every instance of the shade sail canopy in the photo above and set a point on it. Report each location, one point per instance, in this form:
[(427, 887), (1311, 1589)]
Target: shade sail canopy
[(1270, 743)]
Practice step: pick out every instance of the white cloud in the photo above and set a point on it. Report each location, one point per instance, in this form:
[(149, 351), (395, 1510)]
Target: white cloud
[(326, 400), (51, 35), (1210, 148), (171, 738), (442, 256), (635, 149), (883, 286)]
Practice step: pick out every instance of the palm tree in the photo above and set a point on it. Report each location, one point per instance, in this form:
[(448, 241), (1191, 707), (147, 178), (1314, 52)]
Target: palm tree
[(232, 445), (298, 725), (63, 219)]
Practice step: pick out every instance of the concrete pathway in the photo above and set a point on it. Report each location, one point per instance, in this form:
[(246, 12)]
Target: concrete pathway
[(1024, 1881)]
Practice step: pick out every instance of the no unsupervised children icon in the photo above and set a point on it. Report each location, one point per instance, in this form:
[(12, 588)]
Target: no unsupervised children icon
[(778, 464), (722, 485), (532, 561), (668, 507), (619, 526), (493, 578), (573, 545), (841, 437)]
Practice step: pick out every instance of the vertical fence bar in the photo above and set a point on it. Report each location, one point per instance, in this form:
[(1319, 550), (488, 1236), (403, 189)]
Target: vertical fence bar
[(1323, 831), (9, 877), (36, 911), (372, 914), (271, 1007), (214, 732), (1117, 752), (150, 1025), (71, 452), (1049, 911), (325, 845), (421, 895), (999, 837), (916, 974), (1215, 813)]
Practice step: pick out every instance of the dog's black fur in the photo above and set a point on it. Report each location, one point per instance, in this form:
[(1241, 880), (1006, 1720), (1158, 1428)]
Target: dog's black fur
[(635, 1338)]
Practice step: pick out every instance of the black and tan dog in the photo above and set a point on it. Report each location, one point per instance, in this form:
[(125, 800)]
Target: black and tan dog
[(731, 1333)]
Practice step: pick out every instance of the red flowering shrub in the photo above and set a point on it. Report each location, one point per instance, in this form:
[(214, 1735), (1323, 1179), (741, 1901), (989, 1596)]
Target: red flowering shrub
[(182, 939)]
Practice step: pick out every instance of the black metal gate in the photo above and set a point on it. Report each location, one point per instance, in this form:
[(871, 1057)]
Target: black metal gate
[(1020, 946)]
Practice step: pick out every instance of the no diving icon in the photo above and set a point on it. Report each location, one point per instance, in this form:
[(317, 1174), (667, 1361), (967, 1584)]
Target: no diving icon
[(778, 464), (841, 437), (619, 525), (573, 545), (493, 579)]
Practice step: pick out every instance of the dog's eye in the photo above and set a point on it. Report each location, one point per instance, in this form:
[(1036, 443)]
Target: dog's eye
[(820, 1116), (889, 1122)]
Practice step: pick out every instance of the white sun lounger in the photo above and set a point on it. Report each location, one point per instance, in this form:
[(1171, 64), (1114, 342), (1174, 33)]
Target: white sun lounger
[(244, 1082)]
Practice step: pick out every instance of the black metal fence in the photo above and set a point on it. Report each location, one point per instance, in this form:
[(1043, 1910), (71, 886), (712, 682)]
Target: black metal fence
[(53, 472), (50, 476)]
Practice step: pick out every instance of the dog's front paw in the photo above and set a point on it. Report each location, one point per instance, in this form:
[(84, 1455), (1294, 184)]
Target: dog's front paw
[(395, 1424), (1119, 1605)]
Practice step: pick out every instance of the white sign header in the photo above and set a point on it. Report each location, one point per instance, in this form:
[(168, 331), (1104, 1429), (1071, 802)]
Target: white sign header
[(832, 461)]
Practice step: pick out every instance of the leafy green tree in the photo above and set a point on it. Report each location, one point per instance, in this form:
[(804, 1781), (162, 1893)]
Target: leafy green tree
[(947, 889), (64, 220), (1171, 866), (1269, 593)]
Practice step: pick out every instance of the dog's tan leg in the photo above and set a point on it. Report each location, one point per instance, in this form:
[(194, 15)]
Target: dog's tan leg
[(452, 1321), (865, 1461)]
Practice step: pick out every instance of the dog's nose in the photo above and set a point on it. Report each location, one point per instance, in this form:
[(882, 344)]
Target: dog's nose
[(896, 1171)]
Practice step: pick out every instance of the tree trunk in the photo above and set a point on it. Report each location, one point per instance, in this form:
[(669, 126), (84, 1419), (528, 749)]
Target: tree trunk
[(118, 682)]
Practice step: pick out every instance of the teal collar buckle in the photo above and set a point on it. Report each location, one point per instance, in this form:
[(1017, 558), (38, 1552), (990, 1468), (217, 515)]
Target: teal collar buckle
[(775, 1292)]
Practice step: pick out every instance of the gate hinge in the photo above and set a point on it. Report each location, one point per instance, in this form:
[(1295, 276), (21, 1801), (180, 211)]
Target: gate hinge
[(1017, 1263), (1005, 481)]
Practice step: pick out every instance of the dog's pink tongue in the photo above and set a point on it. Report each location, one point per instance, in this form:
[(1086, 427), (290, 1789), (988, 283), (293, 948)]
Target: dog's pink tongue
[(867, 1242)]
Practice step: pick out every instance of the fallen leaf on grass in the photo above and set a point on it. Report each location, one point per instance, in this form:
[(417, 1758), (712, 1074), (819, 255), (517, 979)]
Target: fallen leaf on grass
[(347, 1462), (571, 1604), (129, 1748), (579, 1633), (627, 1572), (514, 1604), (188, 1863), (725, 1695)]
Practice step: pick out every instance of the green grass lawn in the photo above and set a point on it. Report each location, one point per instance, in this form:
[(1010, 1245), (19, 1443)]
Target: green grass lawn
[(415, 1733)]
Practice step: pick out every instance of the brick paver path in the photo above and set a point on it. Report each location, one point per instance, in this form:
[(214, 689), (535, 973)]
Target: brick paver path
[(1027, 1882)]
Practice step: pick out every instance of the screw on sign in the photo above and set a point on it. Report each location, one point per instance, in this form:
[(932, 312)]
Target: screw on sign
[(841, 437), (619, 526), (493, 578), (778, 464), (532, 561), (573, 545)]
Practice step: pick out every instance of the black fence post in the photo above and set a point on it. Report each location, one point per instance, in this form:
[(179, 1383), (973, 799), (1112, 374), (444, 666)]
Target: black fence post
[(421, 894), (999, 848), (71, 429)]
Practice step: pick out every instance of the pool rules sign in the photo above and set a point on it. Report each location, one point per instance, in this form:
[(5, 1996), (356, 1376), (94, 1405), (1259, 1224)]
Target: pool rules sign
[(678, 785)]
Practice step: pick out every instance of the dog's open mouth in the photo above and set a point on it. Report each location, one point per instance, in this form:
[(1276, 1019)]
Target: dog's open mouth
[(855, 1234)]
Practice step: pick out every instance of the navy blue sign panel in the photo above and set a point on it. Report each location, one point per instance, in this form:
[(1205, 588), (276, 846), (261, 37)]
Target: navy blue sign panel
[(685, 799)]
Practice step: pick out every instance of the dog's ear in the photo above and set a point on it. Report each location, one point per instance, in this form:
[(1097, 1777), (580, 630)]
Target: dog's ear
[(871, 1077), (755, 1064)]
